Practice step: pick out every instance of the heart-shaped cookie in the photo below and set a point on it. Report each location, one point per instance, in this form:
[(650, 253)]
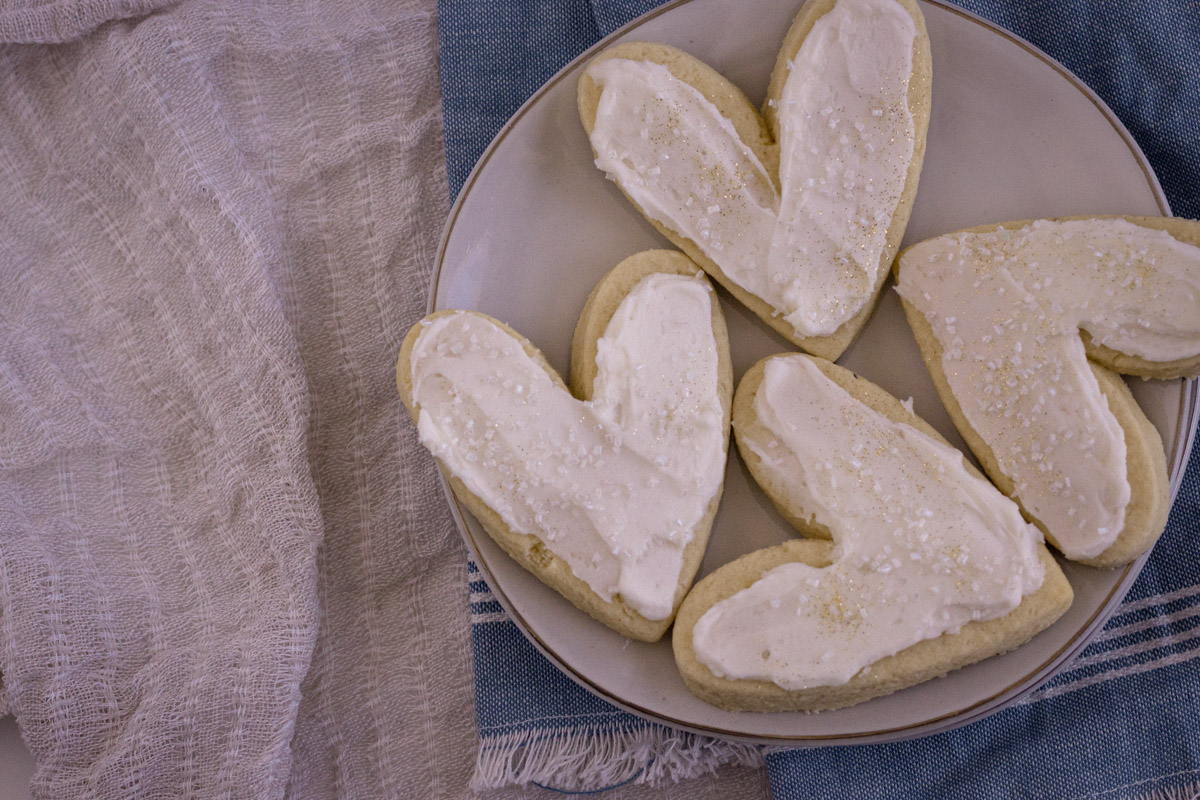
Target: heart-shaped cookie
[(1023, 326), (930, 567), (798, 212), (608, 496)]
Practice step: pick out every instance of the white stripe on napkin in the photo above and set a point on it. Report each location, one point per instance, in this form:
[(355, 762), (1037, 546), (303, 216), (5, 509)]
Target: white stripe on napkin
[(1132, 669), (1135, 627), (1157, 600), (1134, 649)]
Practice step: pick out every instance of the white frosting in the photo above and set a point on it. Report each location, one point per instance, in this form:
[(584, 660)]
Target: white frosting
[(1007, 308), (921, 547), (616, 486), (846, 142)]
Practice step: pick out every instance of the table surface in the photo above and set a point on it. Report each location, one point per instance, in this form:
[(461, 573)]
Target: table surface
[(16, 762)]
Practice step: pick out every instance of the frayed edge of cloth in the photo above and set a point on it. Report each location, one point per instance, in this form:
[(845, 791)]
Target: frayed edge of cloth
[(1188, 791), (590, 760)]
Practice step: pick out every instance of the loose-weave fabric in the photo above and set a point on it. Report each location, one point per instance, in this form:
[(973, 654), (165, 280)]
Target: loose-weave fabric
[(224, 569)]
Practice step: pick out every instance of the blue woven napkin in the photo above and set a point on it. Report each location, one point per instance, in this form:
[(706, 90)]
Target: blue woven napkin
[(1123, 721)]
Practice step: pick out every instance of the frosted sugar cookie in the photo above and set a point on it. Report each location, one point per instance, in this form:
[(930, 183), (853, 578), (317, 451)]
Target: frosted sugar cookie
[(798, 212), (607, 496), (930, 568), (1023, 325)]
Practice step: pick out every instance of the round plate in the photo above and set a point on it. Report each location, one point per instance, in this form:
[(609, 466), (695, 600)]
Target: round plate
[(1013, 136)]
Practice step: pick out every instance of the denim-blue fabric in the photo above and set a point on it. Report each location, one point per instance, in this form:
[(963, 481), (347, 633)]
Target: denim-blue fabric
[(1124, 719)]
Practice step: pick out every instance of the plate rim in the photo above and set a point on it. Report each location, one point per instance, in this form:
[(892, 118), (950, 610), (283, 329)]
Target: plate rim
[(1189, 416)]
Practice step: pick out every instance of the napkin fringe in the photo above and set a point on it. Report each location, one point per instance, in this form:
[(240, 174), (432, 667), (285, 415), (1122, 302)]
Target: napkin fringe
[(1188, 791), (587, 759)]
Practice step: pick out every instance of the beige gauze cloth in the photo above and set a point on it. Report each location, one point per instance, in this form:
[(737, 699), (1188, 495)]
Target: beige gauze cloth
[(226, 565)]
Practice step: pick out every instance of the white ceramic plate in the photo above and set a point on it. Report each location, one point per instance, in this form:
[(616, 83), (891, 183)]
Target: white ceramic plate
[(1013, 136)]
